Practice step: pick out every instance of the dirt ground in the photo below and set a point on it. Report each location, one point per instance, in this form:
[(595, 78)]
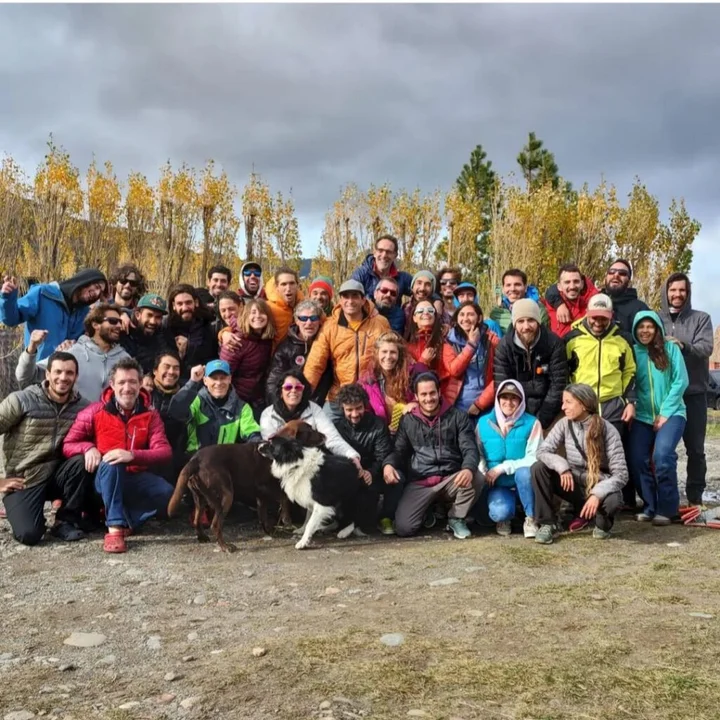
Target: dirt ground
[(628, 628)]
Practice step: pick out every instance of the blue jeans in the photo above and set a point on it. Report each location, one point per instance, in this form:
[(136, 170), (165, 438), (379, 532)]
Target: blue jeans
[(659, 491), (131, 498), (502, 497)]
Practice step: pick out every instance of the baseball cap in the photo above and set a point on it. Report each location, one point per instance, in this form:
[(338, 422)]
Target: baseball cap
[(352, 286), (152, 301), (217, 366), (600, 306), (510, 389)]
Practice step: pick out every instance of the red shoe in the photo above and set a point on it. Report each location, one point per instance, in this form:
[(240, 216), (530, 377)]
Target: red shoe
[(205, 519), (115, 543), (578, 524)]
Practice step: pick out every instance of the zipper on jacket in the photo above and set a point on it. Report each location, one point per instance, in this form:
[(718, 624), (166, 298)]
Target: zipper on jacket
[(652, 388), (599, 382)]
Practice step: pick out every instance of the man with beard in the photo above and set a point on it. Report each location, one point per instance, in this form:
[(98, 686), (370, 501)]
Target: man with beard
[(422, 287), (33, 423), (127, 284), (283, 294), (60, 308), (387, 297), (321, 291), (381, 264), (626, 304), (147, 338), (447, 280), (190, 324), (535, 357), (572, 294), (96, 352), (218, 281), (250, 284)]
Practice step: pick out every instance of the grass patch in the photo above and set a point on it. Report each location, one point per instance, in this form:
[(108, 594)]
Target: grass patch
[(530, 556)]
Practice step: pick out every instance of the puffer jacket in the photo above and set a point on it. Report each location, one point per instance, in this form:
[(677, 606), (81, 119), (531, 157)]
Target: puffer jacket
[(577, 308), (605, 363), (613, 468), (659, 392), (34, 428), (350, 351), (693, 328), (369, 278), (430, 449), (145, 348), (101, 425), (542, 371), (248, 365), (370, 437), (282, 313), (502, 314)]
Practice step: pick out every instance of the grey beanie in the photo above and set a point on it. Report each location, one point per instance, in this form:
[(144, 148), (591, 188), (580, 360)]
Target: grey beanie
[(584, 394)]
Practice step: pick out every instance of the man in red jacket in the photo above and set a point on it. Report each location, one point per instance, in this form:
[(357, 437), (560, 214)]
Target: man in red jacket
[(567, 301), (120, 437)]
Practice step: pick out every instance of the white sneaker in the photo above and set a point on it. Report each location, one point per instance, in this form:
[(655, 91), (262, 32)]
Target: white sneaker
[(503, 528), (529, 528)]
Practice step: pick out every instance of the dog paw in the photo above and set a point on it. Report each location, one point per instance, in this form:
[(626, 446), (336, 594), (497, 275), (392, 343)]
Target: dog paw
[(302, 544), (347, 531), (298, 531)]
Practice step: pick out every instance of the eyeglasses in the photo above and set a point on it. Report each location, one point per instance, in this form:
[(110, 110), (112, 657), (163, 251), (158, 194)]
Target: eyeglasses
[(127, 281), (618, 271), (112, 320), (448, 282), (254, 273), (308, 318), (387, 291), (290, 388), (425, 311)]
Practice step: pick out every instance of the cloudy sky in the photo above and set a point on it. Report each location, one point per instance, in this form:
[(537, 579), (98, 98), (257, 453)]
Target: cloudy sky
[(318, 95)]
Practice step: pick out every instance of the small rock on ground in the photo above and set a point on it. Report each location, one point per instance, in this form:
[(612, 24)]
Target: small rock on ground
[(166, 698), (190, 702), (392, 639), (107, 660), (19, 715), (325, 705), (129, 705), (199, 600), (192, 636), (417, 713), (154, 642), (259, 652), (172, 676), (85, 640), (444, 581)]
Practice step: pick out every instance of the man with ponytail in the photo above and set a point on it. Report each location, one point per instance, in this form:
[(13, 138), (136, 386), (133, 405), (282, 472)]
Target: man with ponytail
[(590, 475)]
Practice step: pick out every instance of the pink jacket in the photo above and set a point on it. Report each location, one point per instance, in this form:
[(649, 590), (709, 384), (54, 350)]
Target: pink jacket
[(377, 399)]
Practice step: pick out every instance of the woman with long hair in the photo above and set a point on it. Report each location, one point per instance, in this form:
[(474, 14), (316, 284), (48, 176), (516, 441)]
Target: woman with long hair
[(388, 382), (590, 475), (424, 337), (660, 382)]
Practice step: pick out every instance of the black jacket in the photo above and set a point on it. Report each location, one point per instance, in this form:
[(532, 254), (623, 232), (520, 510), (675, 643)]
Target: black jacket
[(292, 353), (542, 371), (202, 343), (371, 438), (442, 446), (175, 430), (145, 348)]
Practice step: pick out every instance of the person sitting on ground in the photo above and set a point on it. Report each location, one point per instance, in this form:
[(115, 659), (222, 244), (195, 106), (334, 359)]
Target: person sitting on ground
[(33, 425), (469, 355), (293, 403), (515, 287), (369, 435), (121, 438), (467, 292), (436, 459), (249, 363), (446, 281), (293, 351), (219, 278), (321, 291), (96, 352), (251, 281), (382, 264), (387, 383), (509, 439), (127, 285), (346, 339), (283, 294), (60, 308), (146, 338), (591, 472), (535, 357), (423, 289), (569, 297), (386, 299), (659, 423)]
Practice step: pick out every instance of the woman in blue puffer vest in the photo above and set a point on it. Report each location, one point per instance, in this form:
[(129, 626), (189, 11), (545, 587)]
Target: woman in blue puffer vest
[(509, 439)]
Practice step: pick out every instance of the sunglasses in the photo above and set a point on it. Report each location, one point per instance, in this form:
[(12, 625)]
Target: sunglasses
[(448, 282), (254, 273), (387, 291), (131, 283), (618, 271), (308, 318), (112, 321), (290, 388), (425, 311)]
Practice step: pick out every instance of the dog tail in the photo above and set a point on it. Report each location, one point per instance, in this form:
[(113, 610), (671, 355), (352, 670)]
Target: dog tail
[(188, 473)]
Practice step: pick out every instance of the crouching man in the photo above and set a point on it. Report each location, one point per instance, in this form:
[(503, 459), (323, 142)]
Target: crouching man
[(435, 445), (120, 437)]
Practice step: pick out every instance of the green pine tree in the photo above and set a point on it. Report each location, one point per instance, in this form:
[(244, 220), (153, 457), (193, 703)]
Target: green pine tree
[(538, 164)]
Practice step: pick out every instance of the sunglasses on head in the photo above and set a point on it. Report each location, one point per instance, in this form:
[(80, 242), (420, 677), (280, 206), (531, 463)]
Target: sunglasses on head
[(425, 311), (387, 291), (254, 273), (618, 271), (290, 388), (112, 320), (127, 281), (308, 318)]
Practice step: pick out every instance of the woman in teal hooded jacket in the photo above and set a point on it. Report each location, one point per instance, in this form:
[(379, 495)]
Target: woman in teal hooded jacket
[(661, 380)]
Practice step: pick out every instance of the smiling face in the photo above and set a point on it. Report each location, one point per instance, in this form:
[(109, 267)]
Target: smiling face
[(677, 294), (645, 331), (218, 384), (384, 255), (184, 306), (617, 278), (598, 324), (167, 373), (469, 318), (388, 356), (509, 403), (257, 319), (386, 294), (354, 413), (149, 321), (292, 391), (228, 309), (126, 288), (422, 288), (424, 315), (428, 397), (61, 376), (570, 284), (352, 304), (572, 407), (251, 277), (527, 330), (89, 294), (218, 283), (110, 328), (320, 296), (514, 288), (465, 295), (126, 386), (448, 283)]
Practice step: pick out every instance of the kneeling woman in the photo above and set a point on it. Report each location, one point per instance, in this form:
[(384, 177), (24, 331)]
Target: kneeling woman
[(509, 439), (590, 477)]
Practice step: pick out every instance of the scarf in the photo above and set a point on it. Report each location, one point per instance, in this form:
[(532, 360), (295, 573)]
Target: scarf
[(504, 422)]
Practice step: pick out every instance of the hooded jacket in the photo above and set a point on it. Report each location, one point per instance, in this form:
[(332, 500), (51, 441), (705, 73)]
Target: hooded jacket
[(282, 313), (248, 364), (94, 367), (48, 307), (542, 371), (369, 278), (502, 314), (659, 392), (242, 290), (693, 328), (33, 429), (490, 324), (351, 351), (429, 449), (577, 307)]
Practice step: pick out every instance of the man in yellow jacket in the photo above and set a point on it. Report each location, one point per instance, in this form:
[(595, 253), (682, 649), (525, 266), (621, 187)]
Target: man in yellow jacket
[(347, 339)]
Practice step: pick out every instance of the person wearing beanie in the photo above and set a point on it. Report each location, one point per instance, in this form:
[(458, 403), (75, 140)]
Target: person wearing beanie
[(515, 287), (423, 288), (535, 357), (590, 473), (321, 291)]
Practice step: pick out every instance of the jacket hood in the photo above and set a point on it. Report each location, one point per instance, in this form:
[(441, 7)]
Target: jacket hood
[(503, 422), (647, 315), (531, 293), (665, 305), (241, 280), (91, 349), (79, 280), (462, 285), (444, 407)]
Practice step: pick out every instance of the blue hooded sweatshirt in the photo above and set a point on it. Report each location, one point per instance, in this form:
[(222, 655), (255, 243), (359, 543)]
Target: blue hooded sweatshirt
[(489, 324)]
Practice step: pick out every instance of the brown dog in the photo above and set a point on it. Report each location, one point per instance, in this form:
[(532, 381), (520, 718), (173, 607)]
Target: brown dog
[(219, 474)]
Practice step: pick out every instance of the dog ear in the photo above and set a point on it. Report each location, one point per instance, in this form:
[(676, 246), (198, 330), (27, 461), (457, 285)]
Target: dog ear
[(311, 438)]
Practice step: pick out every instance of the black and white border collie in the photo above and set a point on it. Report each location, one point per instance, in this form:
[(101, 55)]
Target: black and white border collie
[(325, 485)]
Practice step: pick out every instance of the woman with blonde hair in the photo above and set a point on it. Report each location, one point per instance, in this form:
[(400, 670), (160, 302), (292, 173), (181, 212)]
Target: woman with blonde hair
[(388, 382), (593, 472)]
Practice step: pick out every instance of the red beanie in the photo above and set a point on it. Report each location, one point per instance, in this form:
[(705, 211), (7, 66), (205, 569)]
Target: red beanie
[(323, 286)]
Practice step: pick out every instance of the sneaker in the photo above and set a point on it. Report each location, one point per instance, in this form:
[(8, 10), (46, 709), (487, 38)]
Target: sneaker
[(661, 521), (385, 526), (529, 528), (578, 524), (600, 534), (458, 528), (430, 520), (544, 535), (67, 532), (503, 528), (643, 517)]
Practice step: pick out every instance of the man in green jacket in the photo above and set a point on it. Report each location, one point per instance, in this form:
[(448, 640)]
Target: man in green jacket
[(34, 422)]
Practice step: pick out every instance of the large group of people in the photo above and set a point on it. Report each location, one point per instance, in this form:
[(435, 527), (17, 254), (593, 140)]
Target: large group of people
[(450, 413)]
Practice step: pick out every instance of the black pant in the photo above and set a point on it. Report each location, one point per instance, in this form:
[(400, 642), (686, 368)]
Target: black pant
[(70, 483), (391, 495), (546, 485), (694, 439)]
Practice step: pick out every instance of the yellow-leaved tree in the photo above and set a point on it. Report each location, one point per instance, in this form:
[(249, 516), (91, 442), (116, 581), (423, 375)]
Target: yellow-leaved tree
[(140, 221), (103, 201), (284, 233), (15, 214)]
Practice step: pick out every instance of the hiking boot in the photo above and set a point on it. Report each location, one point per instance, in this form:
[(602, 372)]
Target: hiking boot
[(67, 532), (529, 528), (600, 534), (385, 526), (503, 528), (661, 521), (544, 535), (458, 528), (643, 517)]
